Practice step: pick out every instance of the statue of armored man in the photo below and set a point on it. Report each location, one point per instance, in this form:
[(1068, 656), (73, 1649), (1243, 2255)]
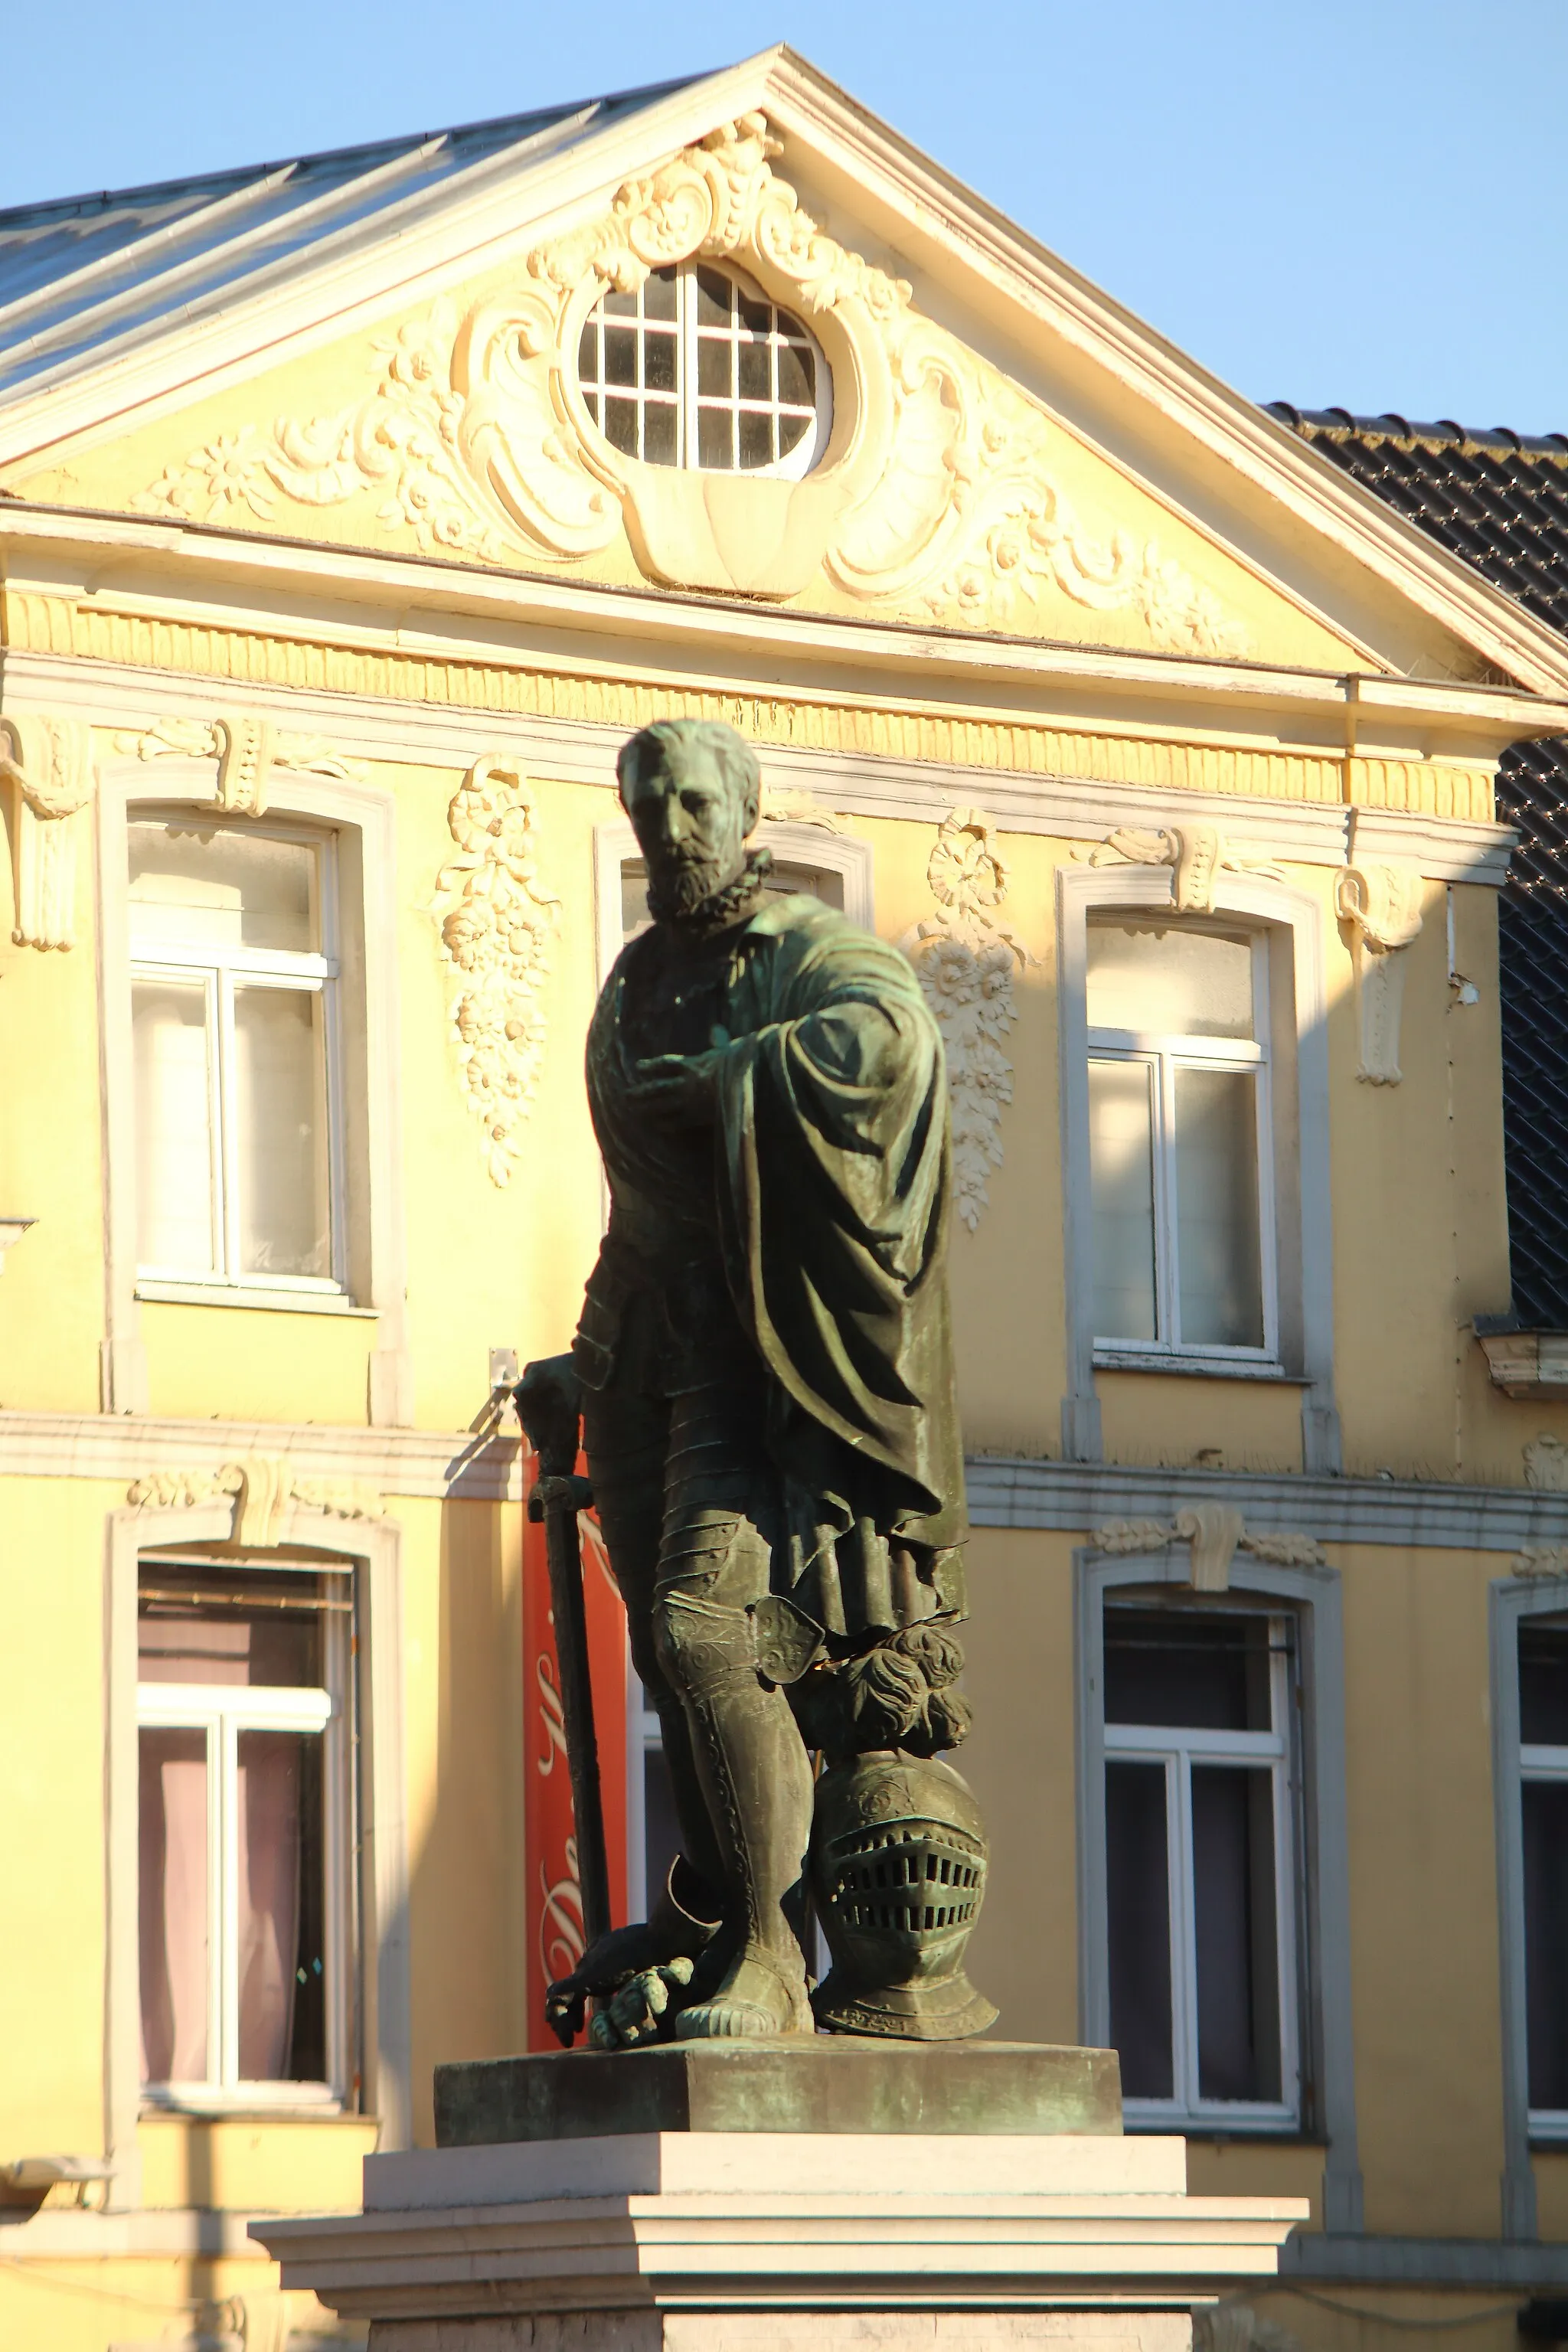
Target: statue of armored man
[(765, 1374)]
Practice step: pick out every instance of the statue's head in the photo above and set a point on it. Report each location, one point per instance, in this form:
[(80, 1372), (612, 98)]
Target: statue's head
[(692, 790)]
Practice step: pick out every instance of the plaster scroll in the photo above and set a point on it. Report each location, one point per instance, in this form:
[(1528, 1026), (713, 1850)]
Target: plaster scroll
[(1216, 1532), (967, 957), (797, 807), (944, 502), (497, 924), (1380, 904), (246, 749), (1198, 852), (47, 763), (263, 1488)]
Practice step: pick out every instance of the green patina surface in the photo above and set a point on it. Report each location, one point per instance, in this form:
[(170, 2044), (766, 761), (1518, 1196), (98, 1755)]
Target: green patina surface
[(829, 2084)]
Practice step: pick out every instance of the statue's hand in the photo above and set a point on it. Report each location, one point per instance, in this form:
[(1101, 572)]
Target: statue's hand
[(662, 1944), (677, 1085), (549, 1403)]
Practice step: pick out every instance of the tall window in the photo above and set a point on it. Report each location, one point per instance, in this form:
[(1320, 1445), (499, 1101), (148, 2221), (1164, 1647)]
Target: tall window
[(1201, 1846), (1543, 1806), (243, 1716), (234, 1017), (1179, 1128), (698, 368)]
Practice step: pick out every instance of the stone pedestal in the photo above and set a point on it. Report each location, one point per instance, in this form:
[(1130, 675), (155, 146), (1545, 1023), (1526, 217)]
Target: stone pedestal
[(1049, 2229)]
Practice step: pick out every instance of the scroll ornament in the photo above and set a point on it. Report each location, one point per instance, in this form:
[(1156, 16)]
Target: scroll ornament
[(943, 504), (264, 1488), (497, 925), (47, 763), (1198, 852), (247, 749), (1380, 904), (1216, 1532), (965, 958)]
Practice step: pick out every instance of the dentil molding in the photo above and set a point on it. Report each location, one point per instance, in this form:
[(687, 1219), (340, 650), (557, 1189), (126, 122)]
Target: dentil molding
[(47, 764), (497, 924), (938, 497), (965, 956)]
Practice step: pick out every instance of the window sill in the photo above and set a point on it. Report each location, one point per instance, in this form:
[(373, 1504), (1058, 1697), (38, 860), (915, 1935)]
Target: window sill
[(1203, 1368), (1281, 2130), (244, 2107), (226, 1294)]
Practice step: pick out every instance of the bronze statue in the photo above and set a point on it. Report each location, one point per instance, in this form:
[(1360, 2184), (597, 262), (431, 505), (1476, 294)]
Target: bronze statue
[(764, 1374)]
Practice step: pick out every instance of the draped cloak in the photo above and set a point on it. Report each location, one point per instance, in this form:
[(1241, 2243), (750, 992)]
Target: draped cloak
[(820, 1193)]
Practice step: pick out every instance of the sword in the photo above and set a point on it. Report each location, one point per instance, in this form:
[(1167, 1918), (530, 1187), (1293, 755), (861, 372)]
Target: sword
[(546, 1401)]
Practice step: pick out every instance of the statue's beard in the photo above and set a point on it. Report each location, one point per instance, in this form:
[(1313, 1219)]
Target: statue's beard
[(692, 892)]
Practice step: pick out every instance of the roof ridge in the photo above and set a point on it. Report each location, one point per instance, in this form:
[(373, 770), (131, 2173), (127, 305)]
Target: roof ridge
[(1393, 430)]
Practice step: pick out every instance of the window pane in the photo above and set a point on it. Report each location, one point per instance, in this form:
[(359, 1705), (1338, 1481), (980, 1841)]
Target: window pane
[(658, 294), (793, 431), (798, 375), (1137, 1920), (756, 431), (1238, 1954), (715, 439), (621, 355), (714, 362), (621, 425), (756, 318), (1543, 1685), (1163, 979), (173, 1126), (172, 1895), (1121, 1167), (659, 363), (262, 1630), (1545, 1809), (1217, 1259), (756, 372), (217, 884), (281, 1907), (1204, 1668), (712, 299), (281, 1117), (658, 426)]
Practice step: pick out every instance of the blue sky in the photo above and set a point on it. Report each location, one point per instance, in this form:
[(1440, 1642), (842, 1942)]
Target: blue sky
[(1354, 205)]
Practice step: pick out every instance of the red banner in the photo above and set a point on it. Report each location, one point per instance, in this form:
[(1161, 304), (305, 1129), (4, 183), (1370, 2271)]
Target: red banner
[(555, 1896)]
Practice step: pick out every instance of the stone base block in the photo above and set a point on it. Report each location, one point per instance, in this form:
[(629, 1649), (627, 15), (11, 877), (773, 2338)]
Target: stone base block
[(796, 2331)]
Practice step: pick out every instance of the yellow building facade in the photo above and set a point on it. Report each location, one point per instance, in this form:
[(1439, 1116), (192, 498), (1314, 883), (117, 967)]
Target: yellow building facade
[(351, 517)]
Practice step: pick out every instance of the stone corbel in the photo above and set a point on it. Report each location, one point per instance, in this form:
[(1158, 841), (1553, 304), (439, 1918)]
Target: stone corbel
[(47, 764), (1380, 903)]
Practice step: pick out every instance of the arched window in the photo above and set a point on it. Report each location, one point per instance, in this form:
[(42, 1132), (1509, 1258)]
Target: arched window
[(699, 369)]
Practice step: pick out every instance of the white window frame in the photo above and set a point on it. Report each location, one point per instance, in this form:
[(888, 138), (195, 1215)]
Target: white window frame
[(1512, 1600), (381, 1994), (1164, 1056), (686, 400), (362, 820), (1326, 2047), (223, 1710), (1290, 924), (220, 966), (1178, 1748)]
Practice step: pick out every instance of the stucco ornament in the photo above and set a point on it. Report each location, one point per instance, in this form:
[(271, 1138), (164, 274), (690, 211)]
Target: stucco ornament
[(1216, 1532), (1546, 1463), (938, 497), (1198, 854), (967, 957), (1380, 905), (497, 924), (264, 1488), (47, 764), (246, 749)]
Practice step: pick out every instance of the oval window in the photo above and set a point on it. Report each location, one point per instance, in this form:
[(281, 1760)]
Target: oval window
[(699, 369)]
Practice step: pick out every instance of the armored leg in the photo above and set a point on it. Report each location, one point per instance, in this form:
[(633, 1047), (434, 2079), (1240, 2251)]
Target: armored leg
[(750, 1759)]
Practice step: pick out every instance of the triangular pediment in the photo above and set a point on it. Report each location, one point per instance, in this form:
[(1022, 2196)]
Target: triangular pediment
[(984, 464)]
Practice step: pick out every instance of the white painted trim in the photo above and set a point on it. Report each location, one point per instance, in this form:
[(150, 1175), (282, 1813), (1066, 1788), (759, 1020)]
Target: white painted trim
[(374, 1547), (183, 571), (364, 821), (1304, 1263), (1313, 1596), (1510, 1600)]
